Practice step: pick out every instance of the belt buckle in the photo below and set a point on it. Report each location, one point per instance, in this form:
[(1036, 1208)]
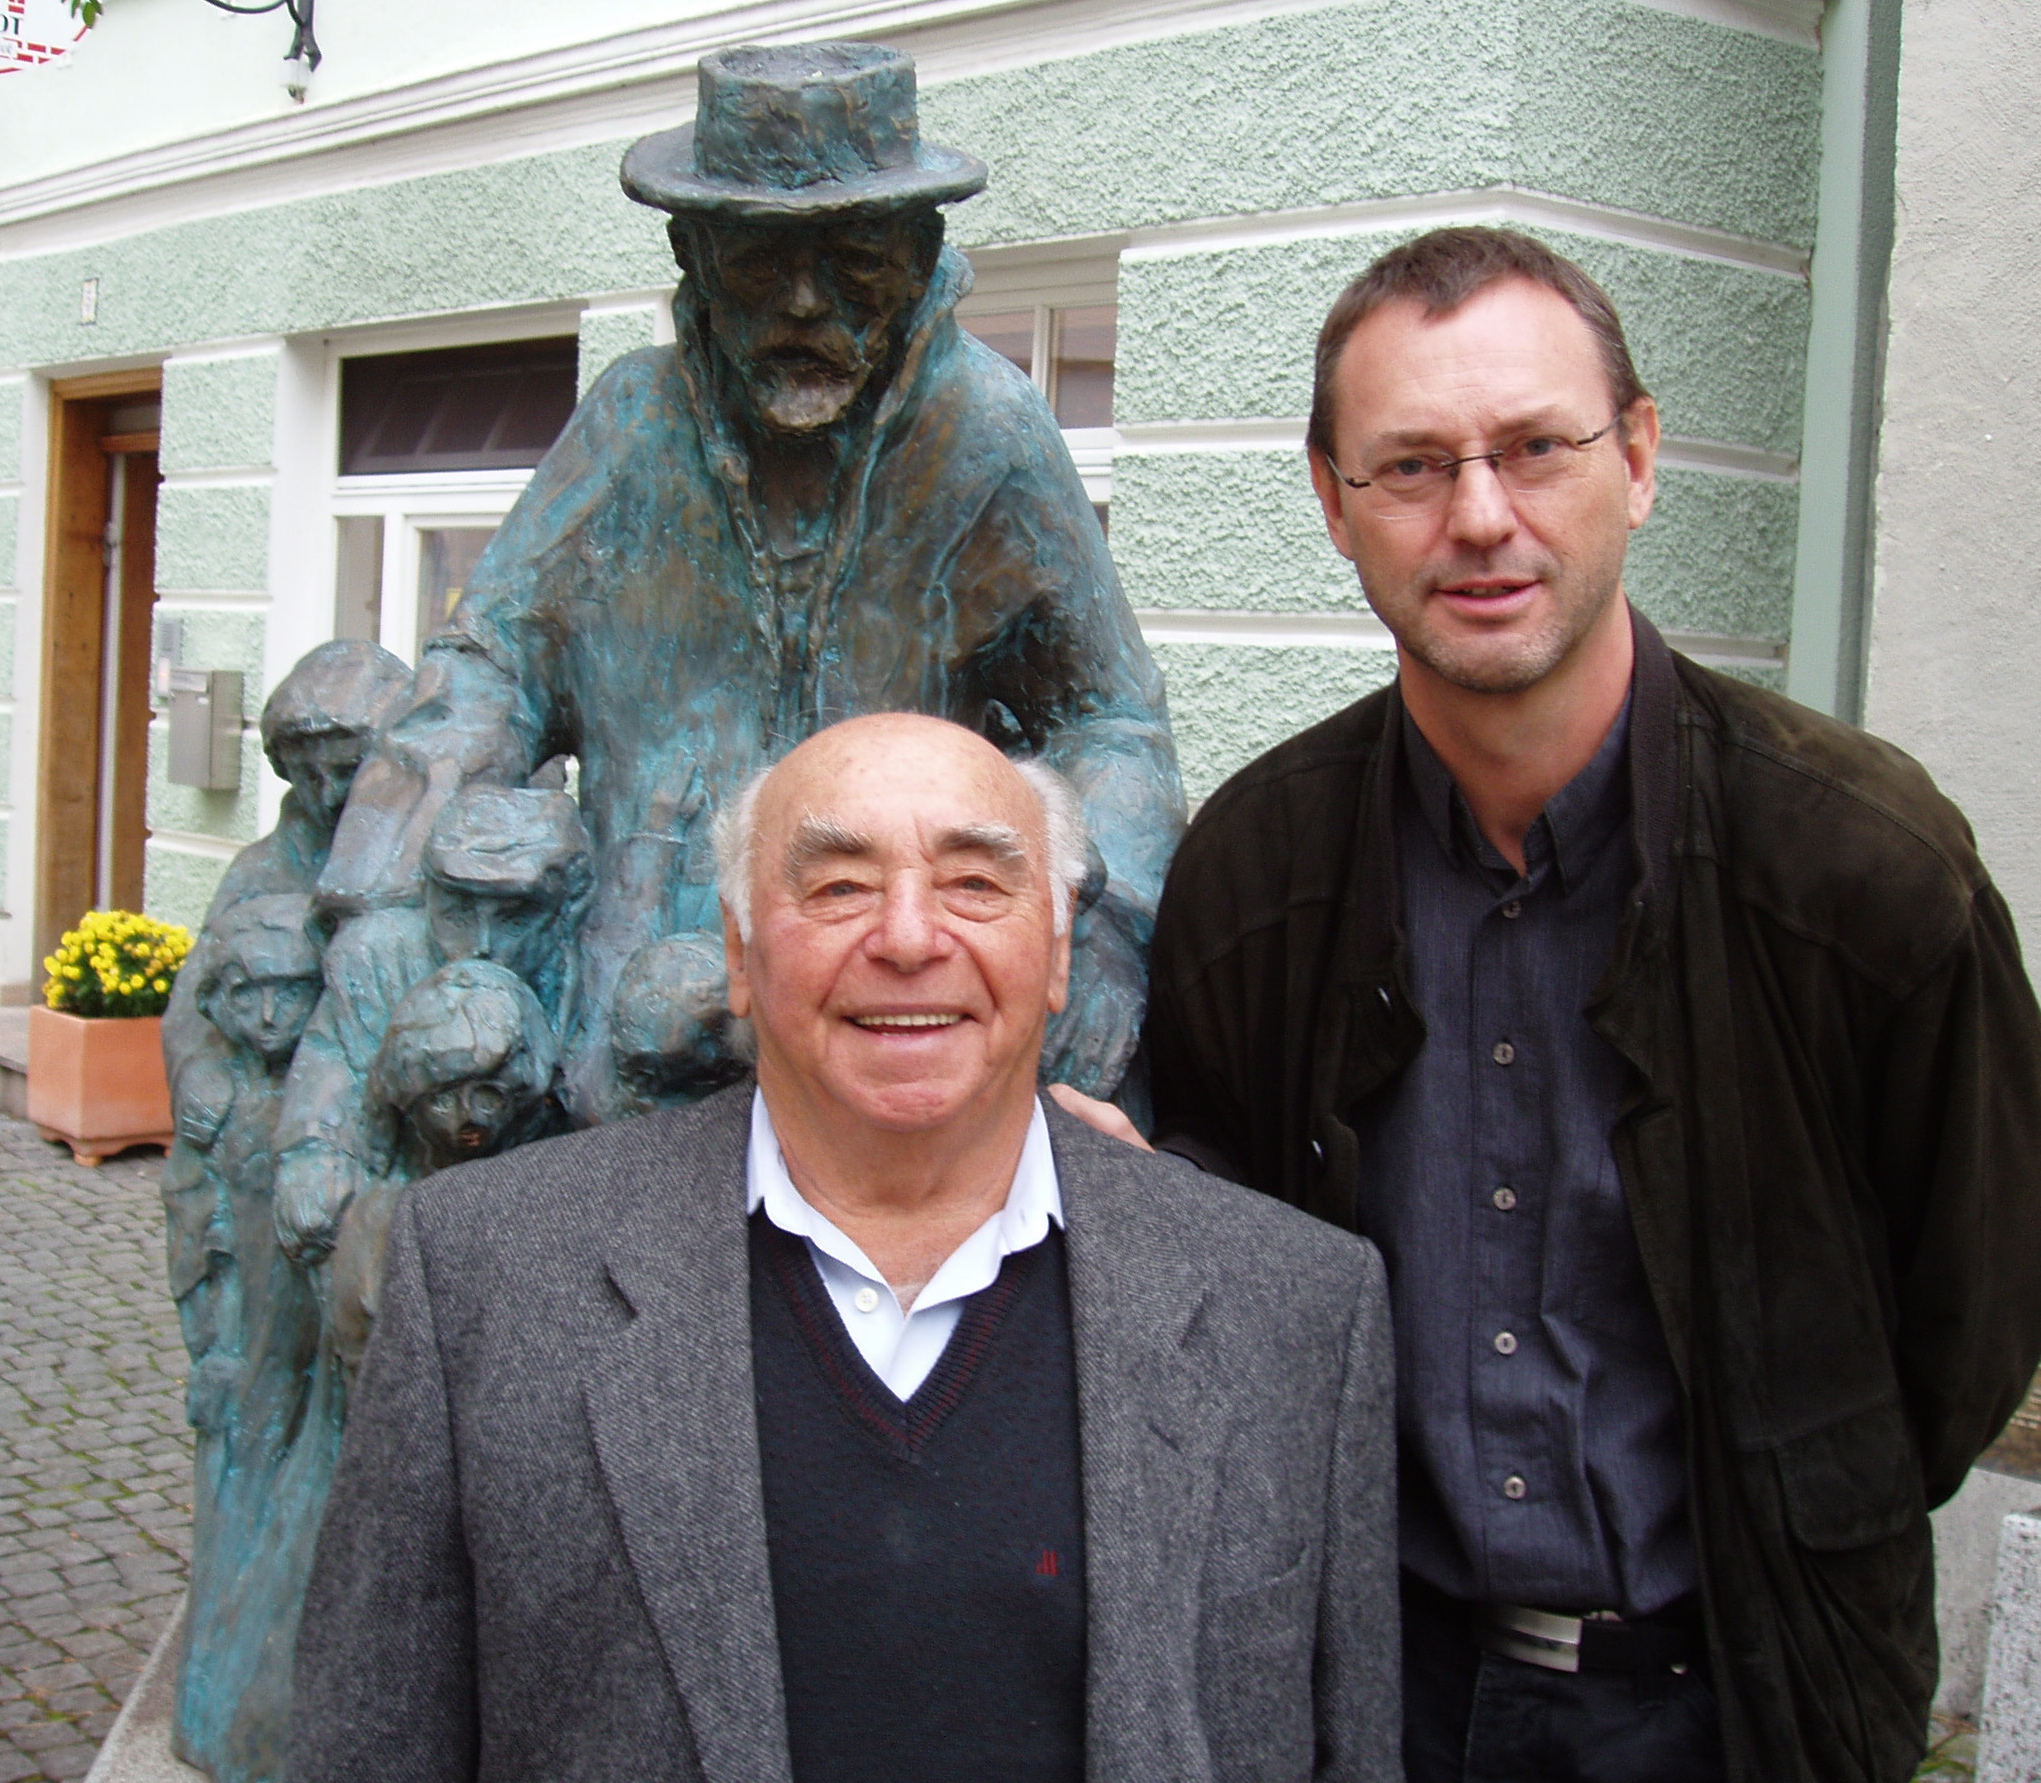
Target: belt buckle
[(1537, 1637)]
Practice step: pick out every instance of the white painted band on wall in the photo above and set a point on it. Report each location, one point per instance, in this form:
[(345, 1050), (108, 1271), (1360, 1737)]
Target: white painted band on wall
[(1791, 21), (212, 848), (254, 346), (211, 600), (1363, 631), (240, 476), (1486, 204)]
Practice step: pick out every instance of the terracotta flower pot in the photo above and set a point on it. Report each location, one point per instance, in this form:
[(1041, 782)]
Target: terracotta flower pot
[(98, 1083)]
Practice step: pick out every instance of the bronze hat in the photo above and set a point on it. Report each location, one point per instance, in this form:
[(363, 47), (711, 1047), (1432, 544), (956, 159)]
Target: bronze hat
[(799, 131)]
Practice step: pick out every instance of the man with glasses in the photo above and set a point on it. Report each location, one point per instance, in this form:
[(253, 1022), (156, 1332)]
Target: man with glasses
[(1670, 1041)]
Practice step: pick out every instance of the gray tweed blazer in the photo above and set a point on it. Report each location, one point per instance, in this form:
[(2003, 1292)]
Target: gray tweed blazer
[(545, 1553)]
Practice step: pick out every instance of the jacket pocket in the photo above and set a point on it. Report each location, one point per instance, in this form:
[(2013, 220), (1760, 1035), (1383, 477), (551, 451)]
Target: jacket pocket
[(1275, 1610), (1255, 1655), (1854, 1482)]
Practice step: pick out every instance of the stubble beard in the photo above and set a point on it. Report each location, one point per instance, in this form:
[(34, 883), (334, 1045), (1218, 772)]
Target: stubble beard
[(1510, 659)]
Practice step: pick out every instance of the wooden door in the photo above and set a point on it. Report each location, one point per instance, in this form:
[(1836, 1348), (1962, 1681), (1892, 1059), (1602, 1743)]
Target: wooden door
[(98, 601)]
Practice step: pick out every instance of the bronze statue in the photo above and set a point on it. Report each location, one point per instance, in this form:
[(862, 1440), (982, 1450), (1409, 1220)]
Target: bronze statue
[(251, 1324), (825, 500)]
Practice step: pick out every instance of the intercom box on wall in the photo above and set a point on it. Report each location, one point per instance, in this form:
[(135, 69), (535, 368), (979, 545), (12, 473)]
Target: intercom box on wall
[(205, 728)]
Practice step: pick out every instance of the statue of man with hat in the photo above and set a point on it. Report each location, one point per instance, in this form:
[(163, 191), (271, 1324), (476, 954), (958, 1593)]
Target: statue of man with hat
[(825, 500)]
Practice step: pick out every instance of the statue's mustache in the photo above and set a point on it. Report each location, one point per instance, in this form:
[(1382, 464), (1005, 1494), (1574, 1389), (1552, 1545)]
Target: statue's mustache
[(832, 349)]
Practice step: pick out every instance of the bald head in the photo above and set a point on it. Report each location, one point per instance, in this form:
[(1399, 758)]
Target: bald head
[(897, 897), (794, 801)]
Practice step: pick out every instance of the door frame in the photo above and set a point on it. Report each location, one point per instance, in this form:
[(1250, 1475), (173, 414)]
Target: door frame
[(69, 772)]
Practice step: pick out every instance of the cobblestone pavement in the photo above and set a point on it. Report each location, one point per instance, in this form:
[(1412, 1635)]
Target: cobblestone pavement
[(95, 1457)]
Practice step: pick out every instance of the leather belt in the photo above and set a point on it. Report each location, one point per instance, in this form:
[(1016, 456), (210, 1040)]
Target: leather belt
[(1585, 1643)]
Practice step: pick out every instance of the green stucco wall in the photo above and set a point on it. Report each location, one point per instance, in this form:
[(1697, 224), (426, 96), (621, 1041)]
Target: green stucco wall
[(606, 337), (544, 228), (228, 815), (1600, 100), (211, 639), (177, 887), (215, 540), (1228, 703), (1211, 336), (13, 395), (1605, 103), (219, 414)]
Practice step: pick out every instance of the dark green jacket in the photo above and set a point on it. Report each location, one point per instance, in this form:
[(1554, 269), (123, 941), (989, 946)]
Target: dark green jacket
[(1831, 1148)]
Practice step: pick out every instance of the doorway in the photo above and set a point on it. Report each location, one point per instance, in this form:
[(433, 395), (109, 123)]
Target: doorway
[(98, 605)]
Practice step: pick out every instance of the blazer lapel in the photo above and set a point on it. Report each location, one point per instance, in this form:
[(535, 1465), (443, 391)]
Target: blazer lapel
[(676, 1435), (1151, 1423)]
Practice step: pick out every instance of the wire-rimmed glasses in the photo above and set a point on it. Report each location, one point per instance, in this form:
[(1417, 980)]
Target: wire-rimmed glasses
[(1529, 466)]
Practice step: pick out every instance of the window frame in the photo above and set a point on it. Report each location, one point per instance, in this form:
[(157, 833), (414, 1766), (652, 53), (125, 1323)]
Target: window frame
[(1048, 278), (410, 503)]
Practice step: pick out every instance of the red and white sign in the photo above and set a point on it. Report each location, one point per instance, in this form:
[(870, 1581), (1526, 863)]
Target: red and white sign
[(35, 33)]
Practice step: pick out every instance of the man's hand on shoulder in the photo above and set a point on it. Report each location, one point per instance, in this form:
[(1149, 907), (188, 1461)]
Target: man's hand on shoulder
[(1107, 1117)]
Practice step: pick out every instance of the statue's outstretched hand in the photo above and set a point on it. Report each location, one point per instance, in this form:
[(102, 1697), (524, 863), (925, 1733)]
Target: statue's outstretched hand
[(1108, 1117), (314, 1184)]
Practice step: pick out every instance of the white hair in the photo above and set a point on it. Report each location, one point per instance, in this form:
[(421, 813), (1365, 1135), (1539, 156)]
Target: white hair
[(1068, 842), (737, 850), (1063, 823)]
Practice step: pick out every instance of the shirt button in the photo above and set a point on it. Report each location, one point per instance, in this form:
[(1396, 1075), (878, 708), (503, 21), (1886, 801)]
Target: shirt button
[(1505, 1197), (866, 1300), (1514, 908), (1503, 1053), (1514, 1486), (1506, 1343)]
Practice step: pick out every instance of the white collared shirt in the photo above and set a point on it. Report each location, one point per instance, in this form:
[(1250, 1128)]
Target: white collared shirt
[(901, 1347)]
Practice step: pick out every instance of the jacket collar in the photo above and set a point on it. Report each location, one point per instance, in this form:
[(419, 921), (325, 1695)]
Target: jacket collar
[(670, 1402)]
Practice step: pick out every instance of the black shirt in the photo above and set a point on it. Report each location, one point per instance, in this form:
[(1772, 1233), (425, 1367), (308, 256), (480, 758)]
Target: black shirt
[(1539, 1413)]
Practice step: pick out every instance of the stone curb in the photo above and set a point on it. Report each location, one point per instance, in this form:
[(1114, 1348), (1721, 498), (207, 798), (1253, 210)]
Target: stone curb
[(2009, 1741), (138, 1749)]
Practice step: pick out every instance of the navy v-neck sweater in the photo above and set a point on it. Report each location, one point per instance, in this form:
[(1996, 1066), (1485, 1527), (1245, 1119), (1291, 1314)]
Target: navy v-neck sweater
[(927, 1557)]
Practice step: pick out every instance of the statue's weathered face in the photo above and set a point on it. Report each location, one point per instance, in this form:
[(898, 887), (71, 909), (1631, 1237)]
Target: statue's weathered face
[(320, 768), (471, 1119), (265, 1011), (513, 930), (806, 312)]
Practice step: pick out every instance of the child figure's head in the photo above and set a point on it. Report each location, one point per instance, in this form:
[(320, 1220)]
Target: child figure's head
[(466, 1068), (508, 872), (258, 974)]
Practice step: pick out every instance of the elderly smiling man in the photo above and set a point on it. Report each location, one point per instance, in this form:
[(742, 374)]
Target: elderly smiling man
[(881, 1423)]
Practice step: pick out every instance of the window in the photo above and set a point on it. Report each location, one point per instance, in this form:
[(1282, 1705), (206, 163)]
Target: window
[(435, 446), (493, 407), (1074, 348), (1055, 314)]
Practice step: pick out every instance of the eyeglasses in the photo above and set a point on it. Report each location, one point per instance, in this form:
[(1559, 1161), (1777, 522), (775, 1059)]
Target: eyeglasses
[(1525, 467)]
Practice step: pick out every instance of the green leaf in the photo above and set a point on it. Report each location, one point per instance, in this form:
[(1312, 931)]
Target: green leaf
[(88, 10)]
